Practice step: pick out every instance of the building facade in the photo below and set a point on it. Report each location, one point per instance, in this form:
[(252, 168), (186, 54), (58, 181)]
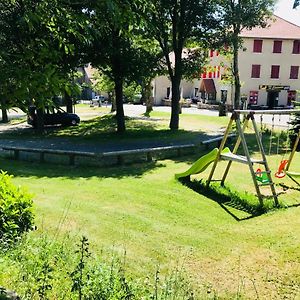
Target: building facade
[(269, 63)]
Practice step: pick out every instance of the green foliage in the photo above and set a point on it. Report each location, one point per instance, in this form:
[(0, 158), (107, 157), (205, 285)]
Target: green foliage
[(16, 216), (238, 15), (78, 277), (40, 269), (41, 46), (176, 25)]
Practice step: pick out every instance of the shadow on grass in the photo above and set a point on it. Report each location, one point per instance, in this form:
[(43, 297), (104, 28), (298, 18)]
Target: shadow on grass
[(230, 201), (32, 169)]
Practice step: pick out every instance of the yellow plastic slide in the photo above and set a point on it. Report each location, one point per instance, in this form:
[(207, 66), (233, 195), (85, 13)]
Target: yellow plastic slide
[(202, 163)]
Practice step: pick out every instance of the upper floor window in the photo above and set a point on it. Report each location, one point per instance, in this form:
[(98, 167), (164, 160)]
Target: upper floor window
[(255, 72), (294, 72), (277, 46), (296, 47), (275, 71), (257, 46)]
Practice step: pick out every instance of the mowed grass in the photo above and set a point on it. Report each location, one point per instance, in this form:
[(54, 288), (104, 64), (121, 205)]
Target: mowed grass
[(143, 210)]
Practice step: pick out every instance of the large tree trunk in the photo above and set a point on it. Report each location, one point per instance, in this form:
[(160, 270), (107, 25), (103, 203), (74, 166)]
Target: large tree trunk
[(147, 97), (174, 121), (119, 105), (39, 121), (117, 70), (4, 111), (69, 103), (236, 75), (4, 115)]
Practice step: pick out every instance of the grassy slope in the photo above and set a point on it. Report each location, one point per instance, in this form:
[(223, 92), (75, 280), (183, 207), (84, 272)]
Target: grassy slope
[(157, 220)]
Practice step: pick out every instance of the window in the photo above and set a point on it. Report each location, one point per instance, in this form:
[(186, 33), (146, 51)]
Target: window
[(296, 47), (277, 46), (168, 92), (255, 73), (275, 71), (257, 46), (294, 72)]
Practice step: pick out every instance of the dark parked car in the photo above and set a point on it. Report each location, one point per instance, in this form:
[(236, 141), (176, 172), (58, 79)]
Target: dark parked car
[(53, 116)]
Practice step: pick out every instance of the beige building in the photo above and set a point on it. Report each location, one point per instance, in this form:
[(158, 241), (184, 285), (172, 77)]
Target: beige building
[(269, 70)]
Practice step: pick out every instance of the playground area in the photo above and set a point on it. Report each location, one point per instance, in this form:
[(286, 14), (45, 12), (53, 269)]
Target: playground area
[(230, 244)]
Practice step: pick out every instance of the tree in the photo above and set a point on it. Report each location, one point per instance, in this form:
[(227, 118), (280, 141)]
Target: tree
[(239, 15), (103, 83), (175, 24), (151, 65), (38, 45), (112, 50)]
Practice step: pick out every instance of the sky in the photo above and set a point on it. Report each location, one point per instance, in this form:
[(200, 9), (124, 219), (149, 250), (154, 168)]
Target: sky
[(284, 9)]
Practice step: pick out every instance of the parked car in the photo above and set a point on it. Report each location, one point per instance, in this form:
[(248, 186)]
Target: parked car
[(53, 116)]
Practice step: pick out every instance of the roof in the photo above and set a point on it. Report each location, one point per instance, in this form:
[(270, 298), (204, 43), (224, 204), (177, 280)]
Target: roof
[(278, 29)]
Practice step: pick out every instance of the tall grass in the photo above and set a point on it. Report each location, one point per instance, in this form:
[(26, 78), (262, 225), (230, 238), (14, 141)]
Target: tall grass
[(39, 268)]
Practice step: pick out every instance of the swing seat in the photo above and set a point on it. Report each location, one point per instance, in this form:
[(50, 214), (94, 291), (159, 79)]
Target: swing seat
[(281, 173), (262, 176)]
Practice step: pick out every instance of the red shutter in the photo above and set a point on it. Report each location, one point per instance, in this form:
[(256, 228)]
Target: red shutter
[(275, 71), (203, 75), (255, 72), (296, 47), (294, 72), (277, 46), (257, 46)]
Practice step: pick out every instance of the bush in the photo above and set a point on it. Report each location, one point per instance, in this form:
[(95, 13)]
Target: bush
[(16, 215), (295, 122)]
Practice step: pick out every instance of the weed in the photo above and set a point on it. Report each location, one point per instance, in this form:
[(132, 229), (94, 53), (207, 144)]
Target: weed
[(78, 276)]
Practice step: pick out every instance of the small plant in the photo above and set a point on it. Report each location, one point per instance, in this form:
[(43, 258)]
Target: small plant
[(16, 215), (78, 276)]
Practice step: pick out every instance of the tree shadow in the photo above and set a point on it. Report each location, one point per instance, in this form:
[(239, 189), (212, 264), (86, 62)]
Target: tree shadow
[(33, 169)]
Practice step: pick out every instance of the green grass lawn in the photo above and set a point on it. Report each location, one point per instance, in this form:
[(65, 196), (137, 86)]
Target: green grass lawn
[(225, 248), (158, 221)]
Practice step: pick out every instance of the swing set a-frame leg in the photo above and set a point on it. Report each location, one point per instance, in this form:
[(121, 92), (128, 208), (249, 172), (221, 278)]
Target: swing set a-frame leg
[(234, 151), (223, 142), (293, 151)]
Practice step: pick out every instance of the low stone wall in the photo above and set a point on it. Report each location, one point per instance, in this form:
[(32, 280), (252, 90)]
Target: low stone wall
[(183, 103), (213, 106), (97, 159)]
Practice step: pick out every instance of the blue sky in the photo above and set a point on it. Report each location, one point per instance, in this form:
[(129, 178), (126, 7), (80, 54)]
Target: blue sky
[(284, 9)]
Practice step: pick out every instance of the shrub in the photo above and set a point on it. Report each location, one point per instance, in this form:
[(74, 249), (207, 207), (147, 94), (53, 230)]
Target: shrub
[(16, 215), (295, 122)]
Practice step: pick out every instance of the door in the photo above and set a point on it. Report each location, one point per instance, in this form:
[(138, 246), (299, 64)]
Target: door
[(272, 100)]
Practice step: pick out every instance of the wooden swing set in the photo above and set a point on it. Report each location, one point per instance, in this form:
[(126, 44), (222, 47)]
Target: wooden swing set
[(259, 177)]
